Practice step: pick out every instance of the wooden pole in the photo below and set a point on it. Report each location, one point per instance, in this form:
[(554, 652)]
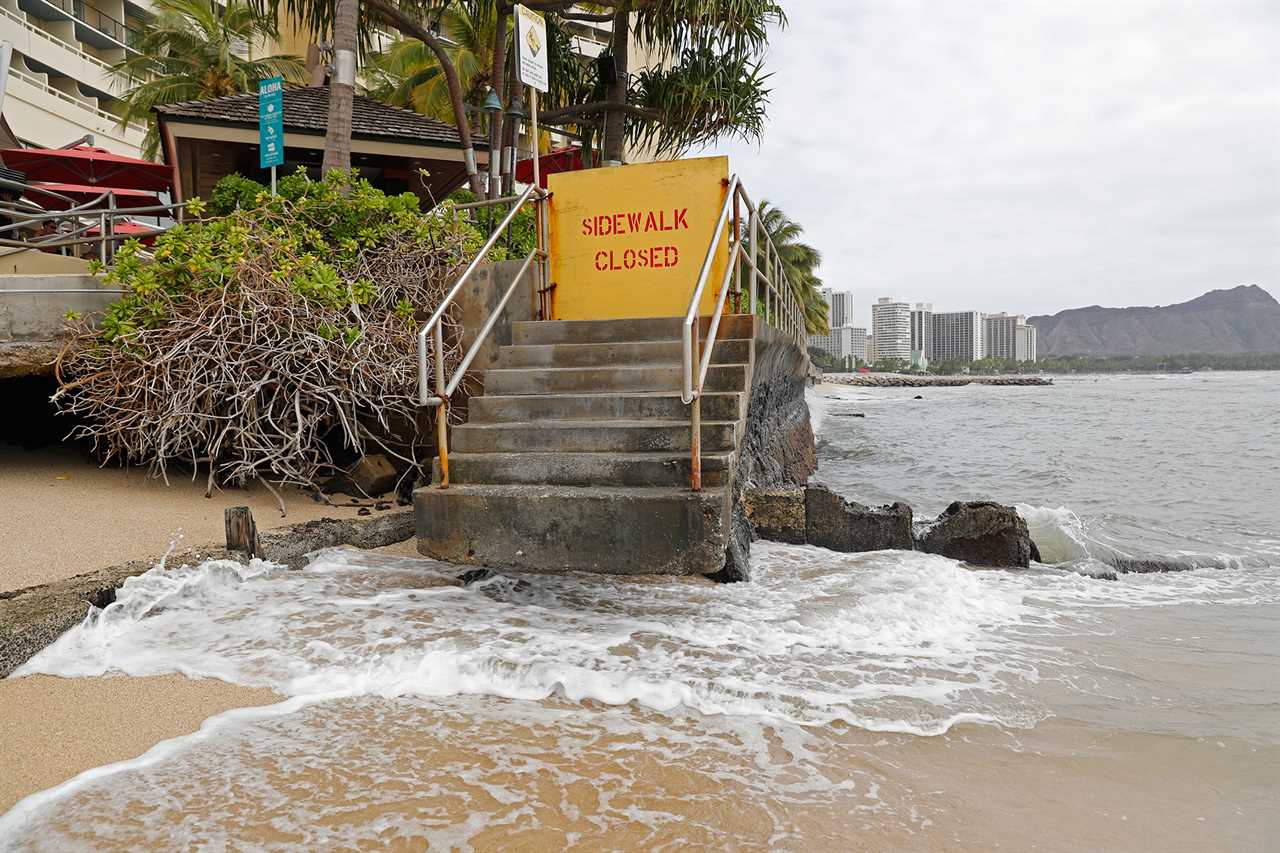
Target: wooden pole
[(242, 531)]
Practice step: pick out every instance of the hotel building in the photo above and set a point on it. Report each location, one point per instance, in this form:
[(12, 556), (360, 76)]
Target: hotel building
[(891, 329)]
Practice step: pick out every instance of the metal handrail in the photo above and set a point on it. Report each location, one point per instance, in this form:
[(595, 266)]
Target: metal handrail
[(781, 307), (434, 327)]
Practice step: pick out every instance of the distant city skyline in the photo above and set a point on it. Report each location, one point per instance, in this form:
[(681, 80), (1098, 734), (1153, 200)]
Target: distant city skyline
[(1027, 157)]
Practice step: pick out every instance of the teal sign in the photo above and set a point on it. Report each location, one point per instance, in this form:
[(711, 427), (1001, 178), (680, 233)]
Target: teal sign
[(271, 122)]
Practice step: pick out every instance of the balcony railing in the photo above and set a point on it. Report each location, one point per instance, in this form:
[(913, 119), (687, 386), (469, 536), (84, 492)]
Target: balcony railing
[(92, 16)]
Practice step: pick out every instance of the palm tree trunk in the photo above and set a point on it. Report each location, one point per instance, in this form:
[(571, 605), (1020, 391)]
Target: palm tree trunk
[(615, 121), (498, 83), (392, 14), (342, 86)]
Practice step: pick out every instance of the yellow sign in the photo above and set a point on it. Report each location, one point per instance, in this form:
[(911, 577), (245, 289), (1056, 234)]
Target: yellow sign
[(630, 241)]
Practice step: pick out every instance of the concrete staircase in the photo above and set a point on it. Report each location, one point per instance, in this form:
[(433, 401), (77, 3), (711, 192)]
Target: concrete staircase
[(577, 455)]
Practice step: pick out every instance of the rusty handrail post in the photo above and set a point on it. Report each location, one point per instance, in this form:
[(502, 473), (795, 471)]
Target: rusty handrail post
[(442, 411), (695, 437)]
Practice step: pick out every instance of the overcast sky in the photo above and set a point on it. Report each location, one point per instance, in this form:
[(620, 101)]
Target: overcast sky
[(1027, 156)]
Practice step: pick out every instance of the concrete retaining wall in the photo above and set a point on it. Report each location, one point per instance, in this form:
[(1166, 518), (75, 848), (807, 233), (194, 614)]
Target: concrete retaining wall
[(32, 324), (777, 447)]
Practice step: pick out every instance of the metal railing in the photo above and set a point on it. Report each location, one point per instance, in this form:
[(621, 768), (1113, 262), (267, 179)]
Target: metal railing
[(434, 327), (779, 307), (74, 223)]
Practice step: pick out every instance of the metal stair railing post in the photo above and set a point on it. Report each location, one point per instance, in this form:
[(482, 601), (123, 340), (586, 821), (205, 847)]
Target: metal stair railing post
[(434, 327), (782, 307)]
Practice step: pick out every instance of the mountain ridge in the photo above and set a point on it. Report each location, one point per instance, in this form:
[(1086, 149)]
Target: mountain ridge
[(1228, 321)]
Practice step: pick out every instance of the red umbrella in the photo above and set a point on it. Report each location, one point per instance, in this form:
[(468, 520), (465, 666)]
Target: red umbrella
[(82, 194), (86, 165), (145, 233), (561, 160)]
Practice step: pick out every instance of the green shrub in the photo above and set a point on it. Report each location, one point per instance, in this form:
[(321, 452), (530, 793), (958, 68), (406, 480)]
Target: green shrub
[(248, 340)]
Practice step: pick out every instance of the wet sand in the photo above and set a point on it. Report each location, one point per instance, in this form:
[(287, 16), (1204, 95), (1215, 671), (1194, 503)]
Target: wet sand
[(55, 728), (62, 516)]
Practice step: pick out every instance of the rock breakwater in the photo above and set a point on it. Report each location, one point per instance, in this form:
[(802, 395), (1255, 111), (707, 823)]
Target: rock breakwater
[(898, 380)]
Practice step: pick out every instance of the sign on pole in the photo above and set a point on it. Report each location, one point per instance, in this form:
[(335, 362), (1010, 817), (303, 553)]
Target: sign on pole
[(531, 49), (271, 125)]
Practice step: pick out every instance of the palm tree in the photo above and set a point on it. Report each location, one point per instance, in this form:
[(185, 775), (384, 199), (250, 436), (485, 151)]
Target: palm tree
[(799, 262), (189, 50), (408, 73)]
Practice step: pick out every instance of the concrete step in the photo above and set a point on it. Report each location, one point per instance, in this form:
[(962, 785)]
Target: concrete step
[(620, 531), (624, 436), (633, 406), (736, 351), (585, 469), (615, 331), (597, 380)]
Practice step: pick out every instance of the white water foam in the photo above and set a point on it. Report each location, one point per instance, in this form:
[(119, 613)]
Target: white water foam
[(888, 641)]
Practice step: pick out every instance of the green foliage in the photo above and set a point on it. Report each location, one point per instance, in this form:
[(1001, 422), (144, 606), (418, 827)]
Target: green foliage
[(520, 237), (800, 262), (234, 192), (191, 49), (312, 233)]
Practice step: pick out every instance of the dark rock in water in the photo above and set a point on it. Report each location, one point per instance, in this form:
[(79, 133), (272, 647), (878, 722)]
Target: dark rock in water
[(848, 415), (364, 510), (1147, 565), (471, 576), (918, 397), (980, 532), (832, 522), (777, 514)]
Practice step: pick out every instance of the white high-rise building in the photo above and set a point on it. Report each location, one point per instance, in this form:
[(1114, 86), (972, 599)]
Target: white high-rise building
[(1025, 347), (860, 340), (891, 329), (1000, 335), (957, 336), (922, 329), (60, 83), (837, 343), (839, 307)]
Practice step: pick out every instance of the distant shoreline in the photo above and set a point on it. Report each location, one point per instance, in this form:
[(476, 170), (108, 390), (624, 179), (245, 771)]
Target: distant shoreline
[(901, 380)]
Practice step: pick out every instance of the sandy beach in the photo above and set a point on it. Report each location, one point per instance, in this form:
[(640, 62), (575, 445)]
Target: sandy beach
[(62, 516), (54, 728)]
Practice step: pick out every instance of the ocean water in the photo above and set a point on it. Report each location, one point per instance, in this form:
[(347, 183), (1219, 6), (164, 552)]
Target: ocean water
[(882, 701)]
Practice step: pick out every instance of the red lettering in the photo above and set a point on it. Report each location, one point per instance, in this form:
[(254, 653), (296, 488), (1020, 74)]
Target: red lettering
[(671, 255), (629, 259), (682, 220), (633, 220), (650, 224), (586, 228), (599, 257), (617, 223)]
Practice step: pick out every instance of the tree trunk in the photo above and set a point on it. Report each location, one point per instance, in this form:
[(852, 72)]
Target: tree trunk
[(392, 14), (342, 86), (498, 84), (511, 135), (615, 121)]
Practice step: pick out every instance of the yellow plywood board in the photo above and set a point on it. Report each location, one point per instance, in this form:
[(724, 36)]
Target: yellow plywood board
[(630, 241)]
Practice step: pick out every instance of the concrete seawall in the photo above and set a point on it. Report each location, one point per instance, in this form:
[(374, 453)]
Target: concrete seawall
[(898, 380)]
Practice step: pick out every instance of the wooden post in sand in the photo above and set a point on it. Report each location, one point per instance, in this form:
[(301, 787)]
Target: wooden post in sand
[(242, 532)]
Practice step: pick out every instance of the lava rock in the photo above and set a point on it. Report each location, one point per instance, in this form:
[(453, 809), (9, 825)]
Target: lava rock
[(373, 474), (777, 514), (983, 533), (841, 525)]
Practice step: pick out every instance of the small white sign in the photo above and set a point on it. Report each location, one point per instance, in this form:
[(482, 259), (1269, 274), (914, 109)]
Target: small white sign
[(531, 49)]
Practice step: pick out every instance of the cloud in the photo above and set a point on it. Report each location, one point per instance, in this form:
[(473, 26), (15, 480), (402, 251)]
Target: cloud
[(1027, 156)]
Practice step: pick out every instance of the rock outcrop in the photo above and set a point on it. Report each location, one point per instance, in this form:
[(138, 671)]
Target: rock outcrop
[(815, 515), (840, 525), (982, 533)]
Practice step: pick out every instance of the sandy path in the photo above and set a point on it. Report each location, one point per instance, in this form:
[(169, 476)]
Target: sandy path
[(61, 516), (54, 728)]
